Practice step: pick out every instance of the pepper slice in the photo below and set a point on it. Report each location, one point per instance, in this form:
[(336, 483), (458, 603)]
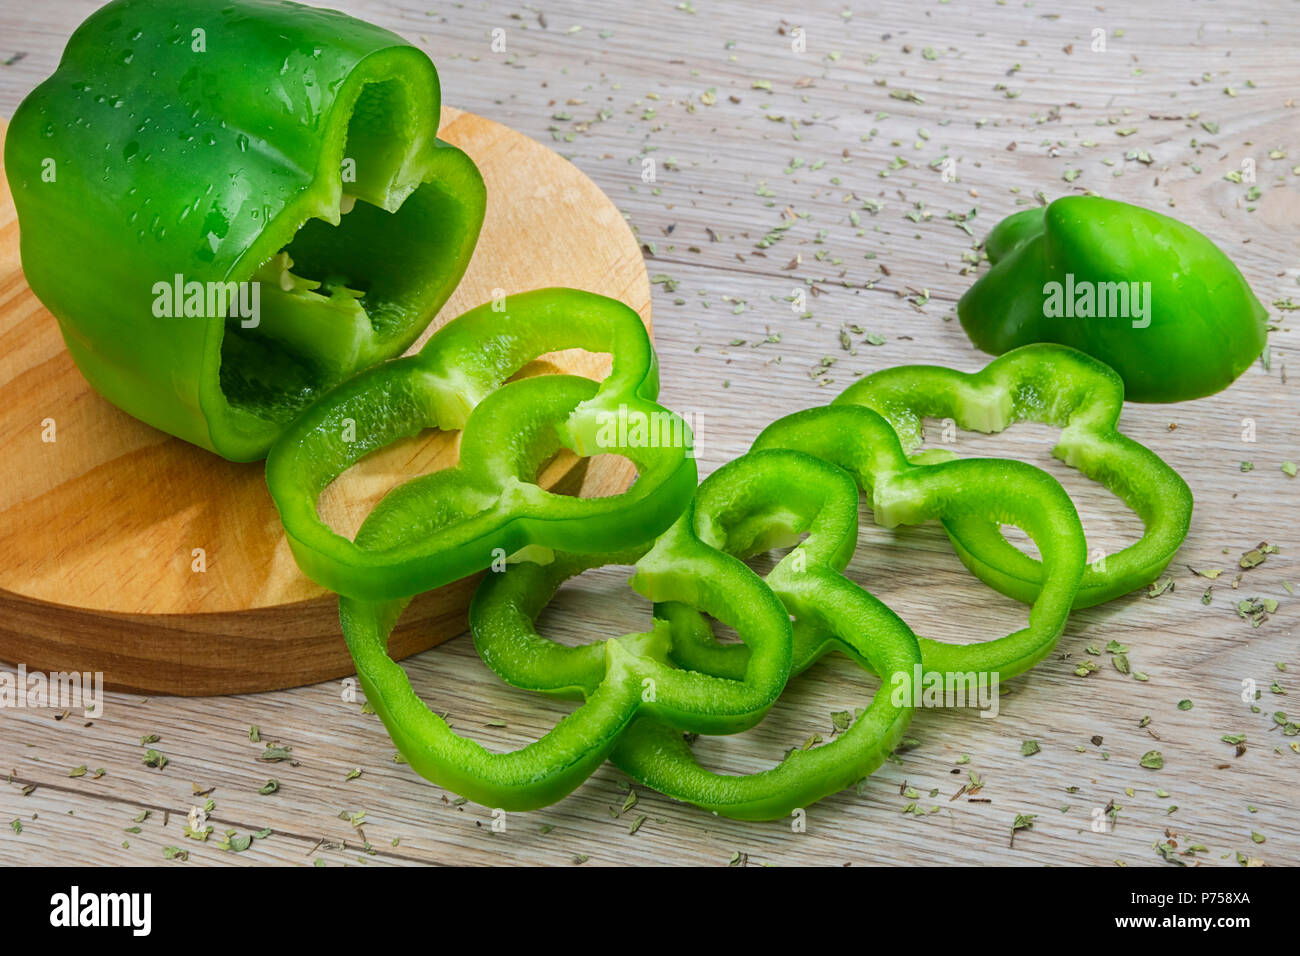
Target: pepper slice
[(1058, 386), (770, 498), (262, 194), (489, 503), (759, 501), (618, 678), (1004, 492), (1146, 294)]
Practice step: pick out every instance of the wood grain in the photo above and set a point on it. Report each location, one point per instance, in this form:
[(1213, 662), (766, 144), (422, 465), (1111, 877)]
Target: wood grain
[(98, 528), (734, 354)]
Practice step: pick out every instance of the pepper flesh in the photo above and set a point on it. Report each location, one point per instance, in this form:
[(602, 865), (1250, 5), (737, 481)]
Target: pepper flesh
[(445, 525), (1072, 272), (776, 497), (625, 676), (759, 501), (1004, 492), (488, 504), (1057, 386), (184, 144)]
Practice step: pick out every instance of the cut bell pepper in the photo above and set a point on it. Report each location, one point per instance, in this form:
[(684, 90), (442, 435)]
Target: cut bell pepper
[(771, 498), (1057, 386), (617, 678), (990, 489), (190, 153), (489, 503), (759, 501)]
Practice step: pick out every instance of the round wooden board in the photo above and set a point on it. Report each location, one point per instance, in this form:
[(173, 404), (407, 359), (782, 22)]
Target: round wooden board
[(98, 528)]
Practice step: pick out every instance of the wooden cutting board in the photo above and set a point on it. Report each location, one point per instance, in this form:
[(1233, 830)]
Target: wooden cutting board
[(98, 529)]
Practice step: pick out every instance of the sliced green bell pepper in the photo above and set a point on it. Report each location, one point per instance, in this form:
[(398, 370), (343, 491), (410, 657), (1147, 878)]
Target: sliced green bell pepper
[(773, 498), (757, 502), (459, 519), (1146, 294), (617, 678), (995, 490), (1057, 386), (190, 153)]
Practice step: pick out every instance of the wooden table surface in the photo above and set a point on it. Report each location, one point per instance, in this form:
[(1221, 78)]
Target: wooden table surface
[(779, 171)]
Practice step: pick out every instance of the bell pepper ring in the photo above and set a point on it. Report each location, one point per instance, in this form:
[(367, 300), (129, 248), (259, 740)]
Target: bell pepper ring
[(864, 444), (489, 503), (232, 205), (618, 678), (1146, 294), (759, 501), (1056, 386)]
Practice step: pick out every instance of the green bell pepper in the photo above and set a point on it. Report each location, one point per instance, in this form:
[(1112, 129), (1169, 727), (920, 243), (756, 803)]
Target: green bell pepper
[(460, 519), (759, 501), (488, 511), (617, 678), (773, 497), (185, 156), (992, 489), (1057, 386), (1148, 295)]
